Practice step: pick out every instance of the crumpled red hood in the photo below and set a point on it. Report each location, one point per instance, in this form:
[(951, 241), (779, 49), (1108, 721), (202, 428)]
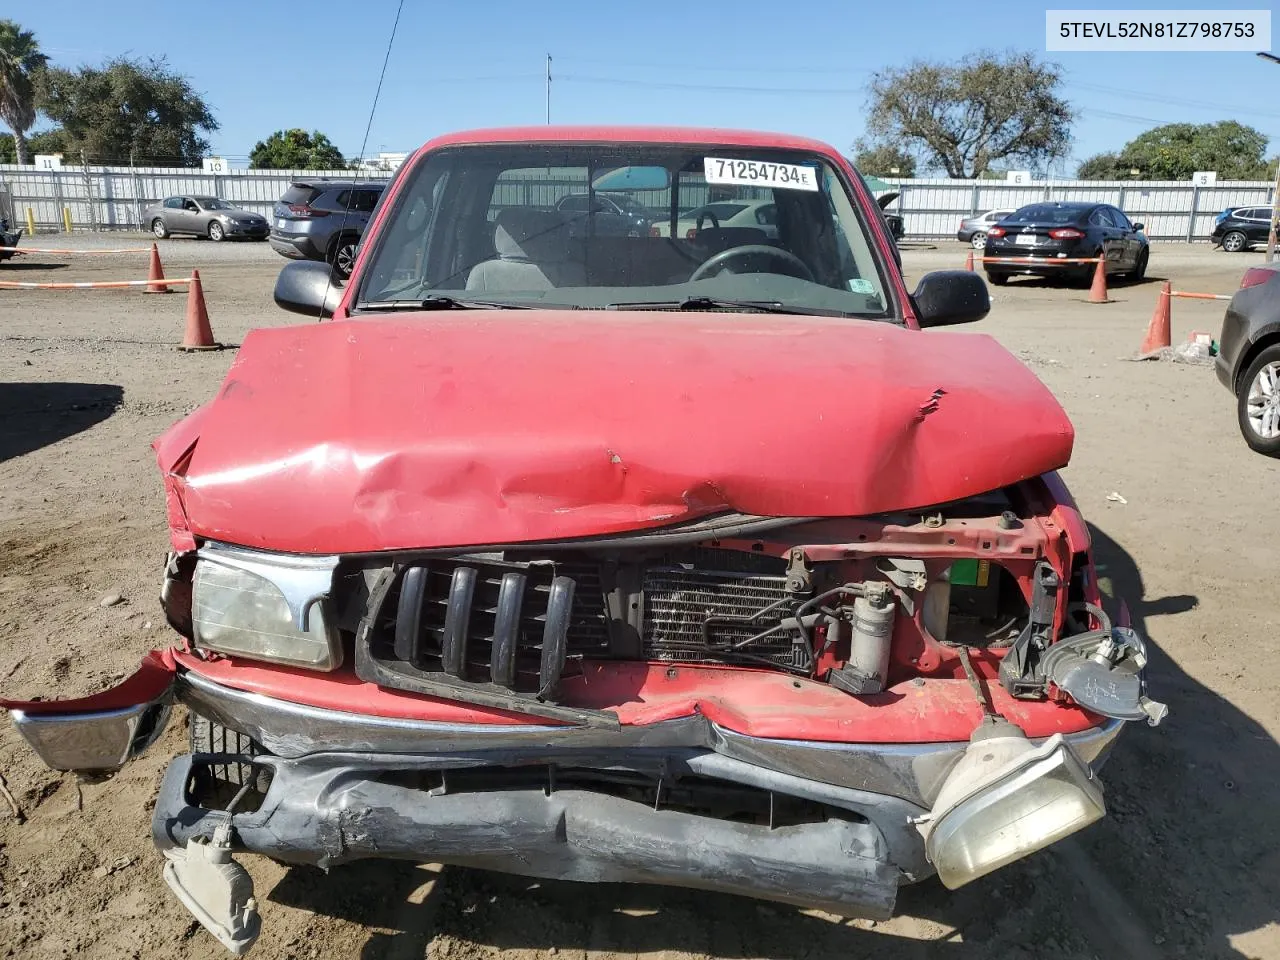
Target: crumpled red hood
[(485, 427)]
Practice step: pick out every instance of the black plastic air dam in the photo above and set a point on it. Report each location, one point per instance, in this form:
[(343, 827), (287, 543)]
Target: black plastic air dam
[(333, 813)]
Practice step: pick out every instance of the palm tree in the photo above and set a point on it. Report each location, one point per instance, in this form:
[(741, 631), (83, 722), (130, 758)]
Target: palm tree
[(20, 60)]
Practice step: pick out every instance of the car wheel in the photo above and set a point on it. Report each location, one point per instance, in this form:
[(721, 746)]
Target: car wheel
[(1234, 242), (1258, 402), (216, 233), (1140, 269), (342, 255), (978, 241), (997, 279), (159, 229)]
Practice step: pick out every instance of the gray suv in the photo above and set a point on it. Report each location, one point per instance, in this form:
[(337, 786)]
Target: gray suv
[(324, 219)]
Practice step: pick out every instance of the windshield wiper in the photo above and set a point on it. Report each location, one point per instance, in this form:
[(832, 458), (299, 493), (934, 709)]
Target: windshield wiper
[(438, 302), (714, 303)]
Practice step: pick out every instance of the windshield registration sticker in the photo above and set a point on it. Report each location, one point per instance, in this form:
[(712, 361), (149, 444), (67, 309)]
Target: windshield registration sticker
[(760, 173)]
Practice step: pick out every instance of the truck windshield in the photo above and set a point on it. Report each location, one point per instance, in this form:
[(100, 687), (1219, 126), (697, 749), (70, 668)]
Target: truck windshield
[(491, 222)]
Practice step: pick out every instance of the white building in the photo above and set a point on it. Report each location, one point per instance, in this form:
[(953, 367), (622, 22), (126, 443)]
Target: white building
[(383, 162)]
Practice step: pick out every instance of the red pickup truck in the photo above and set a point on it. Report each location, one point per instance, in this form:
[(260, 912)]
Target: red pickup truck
[(666, 556)]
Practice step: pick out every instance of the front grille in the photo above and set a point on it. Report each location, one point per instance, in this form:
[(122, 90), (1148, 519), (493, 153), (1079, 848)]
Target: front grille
[(513, 624), (433, 631)]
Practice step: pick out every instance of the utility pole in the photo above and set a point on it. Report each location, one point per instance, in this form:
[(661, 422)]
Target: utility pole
[(1275, 190), (548, 89)]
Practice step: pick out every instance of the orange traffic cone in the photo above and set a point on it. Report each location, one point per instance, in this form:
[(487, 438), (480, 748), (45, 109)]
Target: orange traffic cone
[(198, 335), (968, 262), (1158, 334), (1098, 292), (157, 273)]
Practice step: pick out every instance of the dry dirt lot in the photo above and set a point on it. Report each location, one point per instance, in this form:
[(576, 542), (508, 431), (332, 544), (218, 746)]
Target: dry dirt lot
[(1187, 864)]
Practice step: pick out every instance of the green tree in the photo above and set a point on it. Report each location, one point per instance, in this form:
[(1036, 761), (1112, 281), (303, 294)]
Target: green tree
[(21, 63), (965, 116), (1103, 166), (8, 151), (128, 109), (883, 160), (1177, 150), (47, 141), (296, 149)]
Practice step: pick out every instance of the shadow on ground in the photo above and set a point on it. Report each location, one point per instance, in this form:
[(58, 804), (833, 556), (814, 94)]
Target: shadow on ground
[(34, 415), (19, 265), (1185, 860), (1114, 282)]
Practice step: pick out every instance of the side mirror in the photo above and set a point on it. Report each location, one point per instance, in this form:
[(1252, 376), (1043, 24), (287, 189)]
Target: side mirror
[(308, 287), (945, 297), (1139, 227)]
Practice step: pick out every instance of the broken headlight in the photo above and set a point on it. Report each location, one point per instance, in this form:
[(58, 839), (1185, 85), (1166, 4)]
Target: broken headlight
[(265, 607), (1007, 798)]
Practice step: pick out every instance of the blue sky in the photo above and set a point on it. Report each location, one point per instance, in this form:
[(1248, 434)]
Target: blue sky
[(798, 67)]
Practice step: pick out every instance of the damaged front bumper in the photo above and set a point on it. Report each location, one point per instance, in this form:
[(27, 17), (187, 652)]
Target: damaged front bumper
[(683, 802), (577, 803)]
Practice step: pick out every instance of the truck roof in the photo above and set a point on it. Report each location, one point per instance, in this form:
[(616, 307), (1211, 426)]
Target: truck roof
[(630, 134)]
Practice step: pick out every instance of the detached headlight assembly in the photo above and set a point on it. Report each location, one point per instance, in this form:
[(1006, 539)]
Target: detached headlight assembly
[(265, 607), (1007, 798)]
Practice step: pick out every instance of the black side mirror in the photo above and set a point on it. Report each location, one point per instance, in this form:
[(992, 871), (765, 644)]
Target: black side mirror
[(308, 287), (945, 297), (1139, 227)]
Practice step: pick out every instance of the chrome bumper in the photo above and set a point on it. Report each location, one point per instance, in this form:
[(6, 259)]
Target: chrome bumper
[(105, 740), (104, 731), (913, 772)]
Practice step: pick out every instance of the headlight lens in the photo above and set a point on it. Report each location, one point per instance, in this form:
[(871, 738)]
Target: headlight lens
[(1028, 798), (240, 613)]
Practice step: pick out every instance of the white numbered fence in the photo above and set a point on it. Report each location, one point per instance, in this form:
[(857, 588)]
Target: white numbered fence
[(113, 198), (933, 209)]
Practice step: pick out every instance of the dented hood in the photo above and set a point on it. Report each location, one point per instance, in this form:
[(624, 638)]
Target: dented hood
[(486, 427)]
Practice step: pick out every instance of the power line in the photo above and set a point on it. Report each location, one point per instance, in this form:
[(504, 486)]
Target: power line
[(1173, 101), (720, 88), (717, 68)]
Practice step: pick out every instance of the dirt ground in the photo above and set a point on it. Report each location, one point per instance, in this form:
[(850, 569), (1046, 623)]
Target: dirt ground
[(1186, 865)]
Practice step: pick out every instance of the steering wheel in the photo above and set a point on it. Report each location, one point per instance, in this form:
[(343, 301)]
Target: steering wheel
[(716, 263)]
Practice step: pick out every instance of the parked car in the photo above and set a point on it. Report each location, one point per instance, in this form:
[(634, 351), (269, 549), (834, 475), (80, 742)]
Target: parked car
[(759, 215), (8, 238), (1236, 229), (611, 214), (199, 216), (1248, 362), (324, 220), (534, 558), (973, 230), (1054, 231)]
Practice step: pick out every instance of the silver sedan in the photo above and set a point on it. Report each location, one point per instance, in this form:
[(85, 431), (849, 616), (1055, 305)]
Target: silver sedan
[(204, 217)]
